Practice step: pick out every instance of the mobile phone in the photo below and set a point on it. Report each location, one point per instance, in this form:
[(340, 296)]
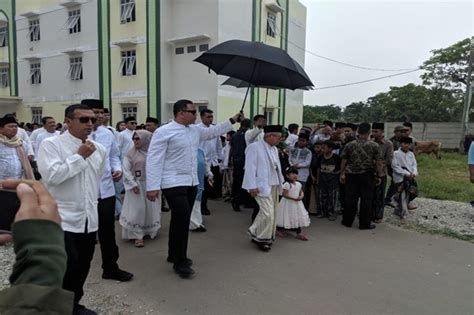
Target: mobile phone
[(9, 206)]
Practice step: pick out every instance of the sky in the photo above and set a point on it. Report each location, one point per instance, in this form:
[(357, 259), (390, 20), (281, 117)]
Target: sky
[(376, 34)]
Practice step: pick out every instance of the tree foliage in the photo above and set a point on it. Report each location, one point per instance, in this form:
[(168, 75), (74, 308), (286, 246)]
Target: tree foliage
[(447, 67)]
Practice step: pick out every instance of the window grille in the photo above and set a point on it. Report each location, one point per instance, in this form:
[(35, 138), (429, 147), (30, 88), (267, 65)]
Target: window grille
[(128, 64), (36, 115), (73, 23), (35, 73), (4, 78), (3, 36), (127, 11), (34, 30), (271, 25), (129, 111), (75, 69)]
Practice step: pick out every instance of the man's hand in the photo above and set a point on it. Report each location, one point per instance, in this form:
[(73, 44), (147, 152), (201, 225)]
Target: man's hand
[(238, 117), (152, 195), (86, 149), (210, 181), (342, 179), (35, 200), (253, 192), (116, 176)]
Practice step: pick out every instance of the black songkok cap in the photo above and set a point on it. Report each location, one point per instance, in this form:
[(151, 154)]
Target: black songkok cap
[(8, 119), (329, 143), (130, 118), (272, 128), (152, 120), (352, 126), (328, 123), (340, 125), (93, 103), (406, 140), (377, 125), (303, 136)]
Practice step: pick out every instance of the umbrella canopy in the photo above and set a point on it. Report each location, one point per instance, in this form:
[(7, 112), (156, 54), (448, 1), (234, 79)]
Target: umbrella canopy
[(257, 63), (244, 84)]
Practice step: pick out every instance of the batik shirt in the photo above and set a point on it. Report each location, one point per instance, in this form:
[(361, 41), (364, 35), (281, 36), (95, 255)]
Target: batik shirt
[(361, 154)]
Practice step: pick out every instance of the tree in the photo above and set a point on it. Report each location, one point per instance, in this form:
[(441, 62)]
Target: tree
[(447, 67), (313, 114), (357, 112)]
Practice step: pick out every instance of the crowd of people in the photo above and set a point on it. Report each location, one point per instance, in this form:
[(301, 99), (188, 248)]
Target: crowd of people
[(98, 174)]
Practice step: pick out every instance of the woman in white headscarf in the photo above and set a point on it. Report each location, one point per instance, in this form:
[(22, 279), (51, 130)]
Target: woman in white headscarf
[(140, 217)]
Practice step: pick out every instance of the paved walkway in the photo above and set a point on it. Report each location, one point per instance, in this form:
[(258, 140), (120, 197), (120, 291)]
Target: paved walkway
[(338, 271)]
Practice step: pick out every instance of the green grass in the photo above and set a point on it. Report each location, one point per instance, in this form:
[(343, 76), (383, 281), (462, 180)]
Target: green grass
[(445, 179)]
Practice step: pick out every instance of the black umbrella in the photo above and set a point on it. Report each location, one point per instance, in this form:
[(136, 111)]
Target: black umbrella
[(257, 63), (244, 84)]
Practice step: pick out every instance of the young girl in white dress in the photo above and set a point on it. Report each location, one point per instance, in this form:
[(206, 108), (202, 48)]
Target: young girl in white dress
[(291, 213)]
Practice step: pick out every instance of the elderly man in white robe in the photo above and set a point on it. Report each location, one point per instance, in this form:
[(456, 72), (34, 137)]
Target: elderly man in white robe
[(263, 179)]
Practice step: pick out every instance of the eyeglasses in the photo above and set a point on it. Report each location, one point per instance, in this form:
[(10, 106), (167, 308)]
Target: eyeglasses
[(85, 120), (192, 111), (135, 138), (132, 122)]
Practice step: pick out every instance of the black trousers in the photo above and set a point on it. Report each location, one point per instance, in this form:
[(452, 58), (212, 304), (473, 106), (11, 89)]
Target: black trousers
[(8, 209), (181, 201), (379, 201), (108, 245), (241, 196), (80, 250), (359, 186), (212, 192)]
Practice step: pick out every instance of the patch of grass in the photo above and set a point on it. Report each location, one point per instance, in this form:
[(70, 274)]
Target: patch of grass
[(444, 179)]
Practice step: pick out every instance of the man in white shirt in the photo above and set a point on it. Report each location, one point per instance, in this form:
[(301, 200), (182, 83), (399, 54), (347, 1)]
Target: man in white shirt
[(71, 166), (106, 202), (49, 125), (404, 168), (171, 166), (256, 134), (326, 132), (35, 133), (300, 157), (263, 179), (292, 136), (125, 142), (213, 153)]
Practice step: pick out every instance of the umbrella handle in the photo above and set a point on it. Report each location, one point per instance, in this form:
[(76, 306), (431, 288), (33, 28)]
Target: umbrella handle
[(245, 98)]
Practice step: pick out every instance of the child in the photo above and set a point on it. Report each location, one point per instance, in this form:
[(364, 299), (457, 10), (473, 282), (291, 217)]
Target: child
[(291, 213), (404, 172), (328, 168), (313, 203)]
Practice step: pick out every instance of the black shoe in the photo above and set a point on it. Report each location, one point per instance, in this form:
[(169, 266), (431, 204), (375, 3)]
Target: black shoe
[(184, 271), (370, 227), (205, 212), (235, 206), (262, 246), (188, 261), (82, 310), (200, 229), (165, 209), (119, 275), (346, 225), (320, 215)]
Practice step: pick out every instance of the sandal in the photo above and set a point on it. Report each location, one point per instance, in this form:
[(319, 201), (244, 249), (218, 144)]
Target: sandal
[(301, 237), (139, 243), (281, 233)]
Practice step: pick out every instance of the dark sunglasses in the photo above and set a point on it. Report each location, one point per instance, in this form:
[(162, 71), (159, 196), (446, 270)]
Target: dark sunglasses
[(192, 111), (135, 138), (85, 120)]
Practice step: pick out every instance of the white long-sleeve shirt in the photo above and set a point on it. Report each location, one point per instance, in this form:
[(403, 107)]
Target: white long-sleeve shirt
[(172, 155), (35, 133), (10, 164), (291, 140), (72, 180), (40, 137), (106, 137), (125, 142), (212, 149), (403, 163), (21, 133), (253, 135), (302, 157)]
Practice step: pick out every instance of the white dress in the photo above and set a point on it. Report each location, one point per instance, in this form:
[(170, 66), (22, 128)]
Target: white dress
[(292, 214), (139, 216)]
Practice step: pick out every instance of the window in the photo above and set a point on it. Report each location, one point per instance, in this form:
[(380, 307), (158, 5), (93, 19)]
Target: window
[(191, 49), (127, 11), (201, 108), (34, 31), (75, 69), (179, 50), (73, 23), (128, 65), (271, 24), (269, 116), (129, 110), (204, 47), (36, 115), (4, 78), (3, 36), (35, 73)]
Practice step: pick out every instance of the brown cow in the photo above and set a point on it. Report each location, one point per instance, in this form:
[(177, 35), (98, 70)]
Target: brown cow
[(428, 147)]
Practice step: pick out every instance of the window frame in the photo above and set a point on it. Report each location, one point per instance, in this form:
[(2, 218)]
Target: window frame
[(129, 110), (73, 22), (35, 73), (75, 72), (128, 63), (4, 36), (271, 24), (34, 32), (127, 11), (4, 77), (36, 112)]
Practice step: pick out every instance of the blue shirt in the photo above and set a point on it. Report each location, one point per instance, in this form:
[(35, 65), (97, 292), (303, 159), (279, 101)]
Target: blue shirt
[(470, 156)]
